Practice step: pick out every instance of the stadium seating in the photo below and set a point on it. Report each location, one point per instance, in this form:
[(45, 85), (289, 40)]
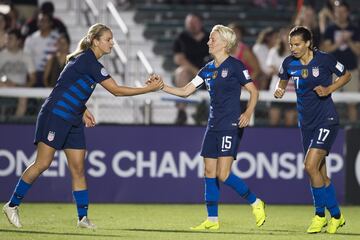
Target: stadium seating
[(164, 21)]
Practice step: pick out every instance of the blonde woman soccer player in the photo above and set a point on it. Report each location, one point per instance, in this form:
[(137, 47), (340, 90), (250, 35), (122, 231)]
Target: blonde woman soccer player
[(224, 77), (60, 123), (312, 70)]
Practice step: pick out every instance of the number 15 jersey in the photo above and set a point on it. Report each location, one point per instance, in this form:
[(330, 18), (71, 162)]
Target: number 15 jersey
[(224, 86)]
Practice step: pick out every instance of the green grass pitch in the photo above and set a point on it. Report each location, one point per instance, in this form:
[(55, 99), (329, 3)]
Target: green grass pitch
[(169, 221)]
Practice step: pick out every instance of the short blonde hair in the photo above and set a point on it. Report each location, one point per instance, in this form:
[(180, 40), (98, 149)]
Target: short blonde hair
[(226, 34)]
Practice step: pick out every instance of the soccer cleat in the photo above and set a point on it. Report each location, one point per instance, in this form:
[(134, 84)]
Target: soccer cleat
[(334, 224), (85, 223), (207, 225), (259, 213), (12, 214), (317, 223)]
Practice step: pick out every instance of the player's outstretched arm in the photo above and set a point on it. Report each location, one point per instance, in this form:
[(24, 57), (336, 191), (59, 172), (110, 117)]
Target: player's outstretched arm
[(180, 92), (338, 83), (110, 85), (185, 91)]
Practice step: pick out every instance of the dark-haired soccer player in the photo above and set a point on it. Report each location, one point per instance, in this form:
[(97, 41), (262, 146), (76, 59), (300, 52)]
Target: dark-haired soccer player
[(311, 71), (224, 77), (60, 121)]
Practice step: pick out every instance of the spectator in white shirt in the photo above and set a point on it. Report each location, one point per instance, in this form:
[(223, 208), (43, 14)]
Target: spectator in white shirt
[(41, 45), (16, 68)]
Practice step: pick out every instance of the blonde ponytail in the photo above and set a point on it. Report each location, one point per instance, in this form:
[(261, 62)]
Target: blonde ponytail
[(94, 32)]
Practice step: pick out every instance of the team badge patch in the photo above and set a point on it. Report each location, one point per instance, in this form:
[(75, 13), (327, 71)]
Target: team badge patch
[(224, 73), (246, 74), (104, 72), (51, 136), (214, 74), (315, 71), (304, 73), (339, 67)]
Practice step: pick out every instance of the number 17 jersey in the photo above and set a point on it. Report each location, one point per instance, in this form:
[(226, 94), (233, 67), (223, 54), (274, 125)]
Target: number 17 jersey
[(313, 110)]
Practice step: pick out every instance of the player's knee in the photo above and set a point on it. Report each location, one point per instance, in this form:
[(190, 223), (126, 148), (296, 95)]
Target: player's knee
[(77, 172), (310, 168), (222, 176), (210, 173), (42, 166)]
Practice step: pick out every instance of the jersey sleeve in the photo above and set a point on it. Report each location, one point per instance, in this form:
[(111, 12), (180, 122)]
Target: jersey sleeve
[(98, 72), (335, 66), (242, 74), (283, 71)]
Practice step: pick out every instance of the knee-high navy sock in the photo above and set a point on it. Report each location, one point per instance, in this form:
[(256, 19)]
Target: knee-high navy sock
[(331, 202), (319, 197), (241, 188), (212, 194), (82, 202), (19, 193)]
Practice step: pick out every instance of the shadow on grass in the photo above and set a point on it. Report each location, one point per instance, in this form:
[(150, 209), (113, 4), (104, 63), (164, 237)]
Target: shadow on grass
[(254, 232), (90, 234), (267, 232), (347, 234)]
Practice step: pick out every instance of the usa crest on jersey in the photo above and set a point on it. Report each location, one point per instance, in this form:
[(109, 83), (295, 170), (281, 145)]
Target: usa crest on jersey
[(315, 71), (224, 73), (51, 136)]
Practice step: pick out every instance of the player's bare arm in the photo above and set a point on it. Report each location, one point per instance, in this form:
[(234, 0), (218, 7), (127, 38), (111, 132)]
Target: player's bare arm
[(338, 83)]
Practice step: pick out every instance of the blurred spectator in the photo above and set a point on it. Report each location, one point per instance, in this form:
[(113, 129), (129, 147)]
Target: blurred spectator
[(24, 8), (245, 54), (3, 27), (41, 45), (326, 15), (14, 22), (190, 54), (307, 17), (56, 63), (32, 24), (276, 56), (265, 3), (182, 75), (190, 47), (342, 39), (266, 39), (16, 68)]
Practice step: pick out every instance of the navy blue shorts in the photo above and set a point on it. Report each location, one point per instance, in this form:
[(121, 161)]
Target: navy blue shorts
[(221, 143), (321, 137), (58, 133)]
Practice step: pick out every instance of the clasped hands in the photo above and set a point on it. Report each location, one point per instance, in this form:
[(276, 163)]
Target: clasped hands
[(155, 82)]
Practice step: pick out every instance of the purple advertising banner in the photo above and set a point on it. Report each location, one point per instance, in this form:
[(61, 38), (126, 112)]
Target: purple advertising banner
[(161, 164)]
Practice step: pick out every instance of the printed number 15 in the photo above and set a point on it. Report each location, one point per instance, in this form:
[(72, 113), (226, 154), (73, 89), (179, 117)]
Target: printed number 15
[(226, 142)]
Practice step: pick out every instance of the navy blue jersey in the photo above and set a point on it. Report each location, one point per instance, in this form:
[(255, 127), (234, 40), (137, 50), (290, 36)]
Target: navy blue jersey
[(312, 109), (74, 87), (224, 86)]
